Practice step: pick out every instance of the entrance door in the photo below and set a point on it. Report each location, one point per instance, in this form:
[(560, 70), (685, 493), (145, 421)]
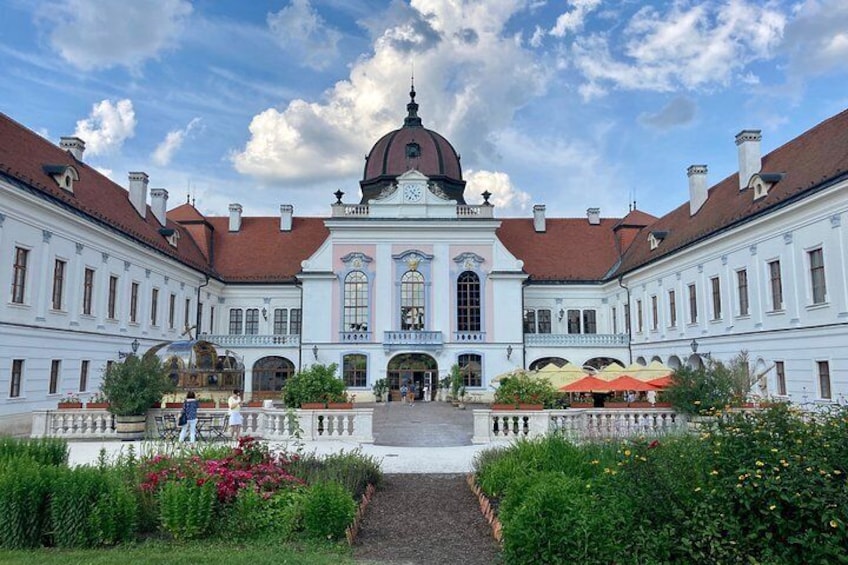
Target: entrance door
[(417, 369)]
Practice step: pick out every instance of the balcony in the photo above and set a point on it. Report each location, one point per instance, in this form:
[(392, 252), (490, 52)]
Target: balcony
[(469, 337), (412, 338), (340, 210), (254, 340), (355, 337), (576, 340)]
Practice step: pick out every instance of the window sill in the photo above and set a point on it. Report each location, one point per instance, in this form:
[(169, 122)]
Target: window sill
[(716, 320), (776, 312), (743, 317), (58, 312), (818, 306), (21, 305)]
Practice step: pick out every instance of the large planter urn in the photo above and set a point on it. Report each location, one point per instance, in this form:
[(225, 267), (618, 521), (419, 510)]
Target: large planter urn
[(129, 428)]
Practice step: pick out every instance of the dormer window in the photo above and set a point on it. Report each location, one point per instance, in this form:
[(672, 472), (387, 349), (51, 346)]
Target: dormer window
[(63, 175), (413, 150), (171, 235), (655, 238), (761, 183)]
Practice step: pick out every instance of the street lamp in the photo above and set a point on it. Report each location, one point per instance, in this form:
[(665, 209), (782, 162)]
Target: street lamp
[(694, 345), (508, 352), (134, 346), (124, 354), (315, 352)]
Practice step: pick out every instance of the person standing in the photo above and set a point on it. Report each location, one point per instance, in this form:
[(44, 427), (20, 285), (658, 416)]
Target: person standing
[(190, 410), (235, 418), (411, 394), (404, 390)]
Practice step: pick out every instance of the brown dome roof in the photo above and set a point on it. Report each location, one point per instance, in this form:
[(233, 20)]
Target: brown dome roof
[(412, 147)]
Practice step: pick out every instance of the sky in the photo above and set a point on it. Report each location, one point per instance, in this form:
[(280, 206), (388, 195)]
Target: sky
[(571, 104)]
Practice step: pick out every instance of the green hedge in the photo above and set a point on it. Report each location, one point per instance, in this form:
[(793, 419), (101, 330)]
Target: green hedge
[(47, 451)]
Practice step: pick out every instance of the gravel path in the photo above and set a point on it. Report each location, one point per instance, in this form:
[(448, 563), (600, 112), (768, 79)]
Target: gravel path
[(424, 520)]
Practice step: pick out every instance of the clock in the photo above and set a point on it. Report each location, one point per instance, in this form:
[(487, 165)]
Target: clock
[(412, 192)]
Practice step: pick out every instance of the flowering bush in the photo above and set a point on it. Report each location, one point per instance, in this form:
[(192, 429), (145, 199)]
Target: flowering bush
[(70, 398), (521, 388)]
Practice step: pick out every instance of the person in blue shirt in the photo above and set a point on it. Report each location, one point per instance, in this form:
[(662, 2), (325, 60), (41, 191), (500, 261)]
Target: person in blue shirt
[(190, 410)]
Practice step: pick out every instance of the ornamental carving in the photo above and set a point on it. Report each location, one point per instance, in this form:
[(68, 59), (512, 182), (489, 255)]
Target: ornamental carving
[(356, 260), (469, 261)]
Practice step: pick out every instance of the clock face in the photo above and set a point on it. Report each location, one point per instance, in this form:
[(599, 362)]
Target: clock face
[(412, 192)]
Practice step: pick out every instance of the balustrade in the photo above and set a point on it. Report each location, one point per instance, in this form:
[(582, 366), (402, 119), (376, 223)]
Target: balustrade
[(254, 340), (576, 340)]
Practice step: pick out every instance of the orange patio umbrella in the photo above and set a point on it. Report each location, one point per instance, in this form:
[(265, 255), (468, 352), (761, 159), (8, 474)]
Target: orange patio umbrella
[(662, 382), (587, 384), (626, 382)]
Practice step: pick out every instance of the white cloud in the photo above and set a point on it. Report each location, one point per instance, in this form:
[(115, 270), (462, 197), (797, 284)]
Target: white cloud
[(677, 112), (817, 38), (107, 127), (299, 28), (92, 34), (508, 199), (690, 46), (164, 152), (105, 172), (570, 22), (461, 57)]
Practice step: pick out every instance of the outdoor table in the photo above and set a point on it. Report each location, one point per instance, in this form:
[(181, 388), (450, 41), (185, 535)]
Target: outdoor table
[(212, 426)]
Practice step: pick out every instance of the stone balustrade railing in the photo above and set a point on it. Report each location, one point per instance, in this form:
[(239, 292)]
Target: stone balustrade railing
[(355, 425), (576, 424)]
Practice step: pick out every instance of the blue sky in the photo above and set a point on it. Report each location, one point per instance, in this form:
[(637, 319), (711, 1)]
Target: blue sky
[(572, 104)]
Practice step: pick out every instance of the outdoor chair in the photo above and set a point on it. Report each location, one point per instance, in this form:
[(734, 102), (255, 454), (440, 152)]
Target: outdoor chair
[(166, 426)]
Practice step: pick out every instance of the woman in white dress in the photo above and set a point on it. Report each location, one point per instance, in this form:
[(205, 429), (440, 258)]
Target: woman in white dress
[(235, 418)]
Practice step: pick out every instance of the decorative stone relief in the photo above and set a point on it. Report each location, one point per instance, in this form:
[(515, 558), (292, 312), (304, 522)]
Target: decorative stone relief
[(46, 235), (80, 247), (127, 265), (468, 260), (753, 249), (104, 257), (147, 273), (700, 268), (835, 221), (724, 259), (787, 238), (356, 260)]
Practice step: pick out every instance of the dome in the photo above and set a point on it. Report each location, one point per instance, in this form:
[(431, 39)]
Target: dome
[(412, 147)]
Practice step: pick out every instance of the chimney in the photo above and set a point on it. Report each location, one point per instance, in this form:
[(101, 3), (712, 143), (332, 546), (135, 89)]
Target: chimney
[(697, 187), (159, 203), (539, 217), (138, 193), (750, 158), (594, 216), (235, 217), (286, 213), (74, 145)]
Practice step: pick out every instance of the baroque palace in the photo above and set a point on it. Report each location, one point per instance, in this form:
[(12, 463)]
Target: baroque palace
[(410, 279)]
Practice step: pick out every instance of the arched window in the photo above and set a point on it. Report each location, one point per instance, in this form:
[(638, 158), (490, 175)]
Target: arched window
[(471, 369), (355, 370), (468, 302), (356, 302), (412, 301), (270, 375)]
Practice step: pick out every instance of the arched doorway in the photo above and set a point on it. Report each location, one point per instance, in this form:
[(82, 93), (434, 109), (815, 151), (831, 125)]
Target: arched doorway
[(542, 361), (599, 363), (269, 375), (417, 368)]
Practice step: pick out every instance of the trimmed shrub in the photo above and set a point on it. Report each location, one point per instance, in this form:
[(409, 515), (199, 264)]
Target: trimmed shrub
[(328, 510), (47, 451), (318, 383)]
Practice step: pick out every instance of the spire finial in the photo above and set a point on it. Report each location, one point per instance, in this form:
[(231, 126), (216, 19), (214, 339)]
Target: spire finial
[(412, 119)]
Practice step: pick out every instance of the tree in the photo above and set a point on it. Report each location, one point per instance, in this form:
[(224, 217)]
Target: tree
[(135, 385), (318, 383)]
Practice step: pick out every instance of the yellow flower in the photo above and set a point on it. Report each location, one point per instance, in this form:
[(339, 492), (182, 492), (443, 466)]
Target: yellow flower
[(833, 523), (698, 489), (595, 462), (713, 472), (627, 453), (772, 507), (760, 463)]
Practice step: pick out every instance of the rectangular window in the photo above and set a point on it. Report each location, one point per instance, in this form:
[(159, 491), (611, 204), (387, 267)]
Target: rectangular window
[(715, 285), (742, 289), (83, 383), (187, 313), (172, 310), (693, 305), (55, 372), (817, 276), (58, 283), (776, 285), (212, 319), (614, 321), (134, 302), (87, 291), (639, 326), (113, 294), (19, 276), (235, 321), (281, 320), (627, 318), (251, 321), (574, 321), (354, 370), (16, 377), (589, 324), (672, 309), (295, 319), (824, 379), (199, 318), (544, 317), (529, 321), (654, 314), (780, 372), (154, 306)]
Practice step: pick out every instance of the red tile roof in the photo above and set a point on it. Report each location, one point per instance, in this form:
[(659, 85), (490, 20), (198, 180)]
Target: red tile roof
[(260, 252), (810, 162), (23, 156), (569, 250)]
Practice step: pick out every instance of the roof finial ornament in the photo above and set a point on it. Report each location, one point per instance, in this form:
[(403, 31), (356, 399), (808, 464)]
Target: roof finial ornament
[(412, 119)]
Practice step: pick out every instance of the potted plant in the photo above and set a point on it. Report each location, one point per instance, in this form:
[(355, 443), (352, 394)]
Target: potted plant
[(70, 401), (461, 398), (131, 388), (380, 388), (206, 403), (98, 401), (525, 392), (456, 383), (313, 387)]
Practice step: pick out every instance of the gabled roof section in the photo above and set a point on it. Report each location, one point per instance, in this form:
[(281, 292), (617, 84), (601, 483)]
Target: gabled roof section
[(23, 157), (570, 249), (809, 163), (259, 252)]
